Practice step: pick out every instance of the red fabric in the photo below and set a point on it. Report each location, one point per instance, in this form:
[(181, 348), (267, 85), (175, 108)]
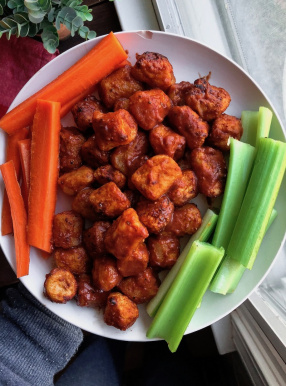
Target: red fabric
[(20, 59)]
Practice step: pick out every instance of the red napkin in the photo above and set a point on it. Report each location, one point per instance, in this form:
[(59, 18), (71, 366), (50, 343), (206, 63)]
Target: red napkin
[(20, 59)]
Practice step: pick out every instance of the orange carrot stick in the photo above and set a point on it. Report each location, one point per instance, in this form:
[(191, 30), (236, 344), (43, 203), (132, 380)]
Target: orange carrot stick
[(25, 155), (12, 153), (43, 173), (89, 70), (19, 217)]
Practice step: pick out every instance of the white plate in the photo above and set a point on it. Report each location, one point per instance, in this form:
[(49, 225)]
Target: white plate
[(190, 60)]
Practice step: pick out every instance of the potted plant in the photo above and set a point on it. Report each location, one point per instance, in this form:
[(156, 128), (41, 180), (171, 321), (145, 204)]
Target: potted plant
[(45, 18)]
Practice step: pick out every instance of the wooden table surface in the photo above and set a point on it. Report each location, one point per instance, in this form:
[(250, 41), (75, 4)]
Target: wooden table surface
[(104, 20)]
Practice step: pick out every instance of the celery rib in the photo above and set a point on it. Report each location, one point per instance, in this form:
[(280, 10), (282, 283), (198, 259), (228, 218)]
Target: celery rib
[(203, 233), (185, 294), (249, 120), (258, 203)]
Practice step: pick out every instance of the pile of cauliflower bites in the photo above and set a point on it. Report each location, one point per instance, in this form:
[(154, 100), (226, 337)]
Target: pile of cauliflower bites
[(141, 151)]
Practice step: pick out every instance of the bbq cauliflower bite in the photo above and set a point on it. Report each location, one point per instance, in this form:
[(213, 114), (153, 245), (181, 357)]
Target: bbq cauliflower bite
[(71, 183), (125, 234), (224, 127), (134, 263), (165, 141), (184, 188), (74, 259), (178, 91), (113, 129), (120, 312), (87, 295), (207, 100), (149, 108), (164, 250), (83, 206), (186, 220), (83, 112), (93, 238), (189, 124), (71, 141), (142, 287), (210, 168), (60, 285), (124, 156), (154, 69), (92, 155), (108, 173), (67, 229), (105, 274), (155, 215), (155, 177), (119, 84), (109, 200)]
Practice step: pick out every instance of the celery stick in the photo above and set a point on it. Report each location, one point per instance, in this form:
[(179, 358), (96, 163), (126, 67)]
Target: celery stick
[(185, 294), (240, 166), (203, 233), (265, 180), (230, 271), (249, 120), (263, 124)]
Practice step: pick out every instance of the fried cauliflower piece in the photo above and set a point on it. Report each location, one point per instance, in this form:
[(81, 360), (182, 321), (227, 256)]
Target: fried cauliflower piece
[(71, 183), (184, 189), (210, 168), (155, 215), (178, 91), (109, 200), (71, 141), (67, 229), (125, 234), (73, 259), (155, 177), (120, 312), (154, 69), (105, 274), (149, 108), (224, 127), (119, 84), (165, 141), (83, 112), (123, 157), (92, 155), (164, 250), (93, 238), (135, 263), (142, 287), (88, 296), (60, 285), (189, 124), (113, 129), (186, 220), (83, 206), (108, 173), (207, 100)]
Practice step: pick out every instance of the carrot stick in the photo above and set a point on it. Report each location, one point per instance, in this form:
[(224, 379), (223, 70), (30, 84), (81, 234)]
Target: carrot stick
[(12, 153), (25, 155), (43, 173), (19, 217), (89, 70)]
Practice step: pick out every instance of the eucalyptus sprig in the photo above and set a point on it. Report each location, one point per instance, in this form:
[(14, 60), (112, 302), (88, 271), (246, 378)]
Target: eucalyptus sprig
[(31, 17)]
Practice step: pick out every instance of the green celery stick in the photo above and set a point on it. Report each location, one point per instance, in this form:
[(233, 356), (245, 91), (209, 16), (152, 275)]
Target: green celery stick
[(230, 271), (240, 165), (185, 294), (203, 233), (265, 180), (263, 124), (249, 120)]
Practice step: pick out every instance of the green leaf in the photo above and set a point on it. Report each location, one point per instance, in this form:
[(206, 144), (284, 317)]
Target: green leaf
[(84, 12), (50, 38)]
